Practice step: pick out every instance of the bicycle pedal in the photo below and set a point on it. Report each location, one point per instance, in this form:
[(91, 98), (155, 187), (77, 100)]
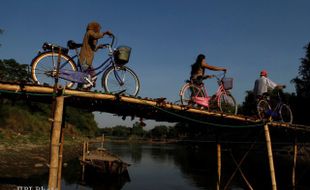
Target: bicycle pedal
[(89, 81)]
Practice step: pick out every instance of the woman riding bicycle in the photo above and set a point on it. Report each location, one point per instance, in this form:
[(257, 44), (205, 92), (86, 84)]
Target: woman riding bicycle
[(89, 47), (198, 69)]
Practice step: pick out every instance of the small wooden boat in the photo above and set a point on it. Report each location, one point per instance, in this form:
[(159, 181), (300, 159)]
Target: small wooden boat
[(103, 161)]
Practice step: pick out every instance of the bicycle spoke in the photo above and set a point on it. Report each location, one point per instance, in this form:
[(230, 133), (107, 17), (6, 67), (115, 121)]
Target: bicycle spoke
[(227, 104), (286, 114), (263, 109), (121, 80), (43, 70)]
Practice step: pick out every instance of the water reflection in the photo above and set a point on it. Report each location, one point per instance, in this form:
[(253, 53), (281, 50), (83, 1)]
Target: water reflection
[(167, 166)]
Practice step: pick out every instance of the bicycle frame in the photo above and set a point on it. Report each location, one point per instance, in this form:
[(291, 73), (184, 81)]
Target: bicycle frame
[(205, 100), (84, 77), (202, 100), (273, 111)]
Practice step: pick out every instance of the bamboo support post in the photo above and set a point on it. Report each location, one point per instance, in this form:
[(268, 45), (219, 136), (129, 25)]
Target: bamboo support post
[(56, 132), (83, 159), (87, 147), (84, 151), (270, 157), (218, 166), (102, 140), (295, 149), (60, 156)]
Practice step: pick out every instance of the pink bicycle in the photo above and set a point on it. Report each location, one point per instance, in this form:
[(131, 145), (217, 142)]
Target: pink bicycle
[(194, 93)]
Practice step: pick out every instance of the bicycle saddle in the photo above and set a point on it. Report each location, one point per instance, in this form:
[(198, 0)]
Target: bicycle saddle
[(72, 45), (53, 47)]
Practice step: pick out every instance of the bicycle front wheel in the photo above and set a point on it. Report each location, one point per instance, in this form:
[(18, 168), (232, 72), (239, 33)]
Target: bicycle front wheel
[(188, 91), (286, 114), (263, 109), (44, 68), (121, 80), (227, 104)]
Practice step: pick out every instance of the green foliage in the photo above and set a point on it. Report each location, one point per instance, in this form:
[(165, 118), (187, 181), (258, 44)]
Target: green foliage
[(302, 85), (249, 105), (11, 71), (21, 120), (159, 132), (121, 131), (82, 120), (302, 82), (137, 129), (32, 120)]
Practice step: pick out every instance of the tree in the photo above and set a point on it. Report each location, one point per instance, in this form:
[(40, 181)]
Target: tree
[(11, 71), (302, 86), (302, 82), (120, 131), (137, 129), (249, 105), (159, 132)]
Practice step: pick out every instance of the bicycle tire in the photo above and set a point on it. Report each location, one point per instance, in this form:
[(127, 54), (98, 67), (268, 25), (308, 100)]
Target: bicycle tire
[(131, 83), (227, 104), (43, 68), (263, 109), (285, 113), (188, 91)]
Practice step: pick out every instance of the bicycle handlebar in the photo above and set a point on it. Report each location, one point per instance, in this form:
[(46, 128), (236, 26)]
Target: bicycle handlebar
[(113, 40)]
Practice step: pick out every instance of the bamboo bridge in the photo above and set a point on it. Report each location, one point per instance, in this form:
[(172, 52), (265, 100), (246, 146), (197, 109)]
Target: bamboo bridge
[(156, 109)]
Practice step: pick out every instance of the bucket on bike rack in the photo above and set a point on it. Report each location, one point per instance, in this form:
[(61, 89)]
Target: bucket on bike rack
[(228, 83), (122, 54)]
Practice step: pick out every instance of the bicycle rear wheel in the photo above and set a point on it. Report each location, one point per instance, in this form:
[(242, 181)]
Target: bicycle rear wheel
[(188, 91), (121, 80), (227, 104), (44, 66), (263, 109), (286, 114)]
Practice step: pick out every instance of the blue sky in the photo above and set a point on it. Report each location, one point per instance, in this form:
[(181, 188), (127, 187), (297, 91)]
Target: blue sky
[(166, 36)]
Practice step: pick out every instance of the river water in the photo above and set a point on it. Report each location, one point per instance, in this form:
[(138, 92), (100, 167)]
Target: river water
[(183, 167)]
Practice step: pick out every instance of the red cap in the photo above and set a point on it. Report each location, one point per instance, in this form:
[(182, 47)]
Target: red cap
[(263, 73)]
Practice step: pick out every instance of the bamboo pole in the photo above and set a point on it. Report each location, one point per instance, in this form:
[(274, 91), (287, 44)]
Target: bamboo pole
[(60, 156), (295, 149), (54, 161), (294, 167), (132, 100), (102, 140), (84, 151), (83, 160), (270, 157), (219, 166)]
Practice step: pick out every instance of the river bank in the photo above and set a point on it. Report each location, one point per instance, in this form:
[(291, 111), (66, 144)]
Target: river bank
[(27, 159)]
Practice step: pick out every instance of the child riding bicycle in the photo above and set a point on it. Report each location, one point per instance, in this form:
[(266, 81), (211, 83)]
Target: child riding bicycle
[(88, 49)]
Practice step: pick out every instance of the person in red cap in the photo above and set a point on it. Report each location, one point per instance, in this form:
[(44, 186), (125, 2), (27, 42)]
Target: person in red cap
[(264, 84)]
